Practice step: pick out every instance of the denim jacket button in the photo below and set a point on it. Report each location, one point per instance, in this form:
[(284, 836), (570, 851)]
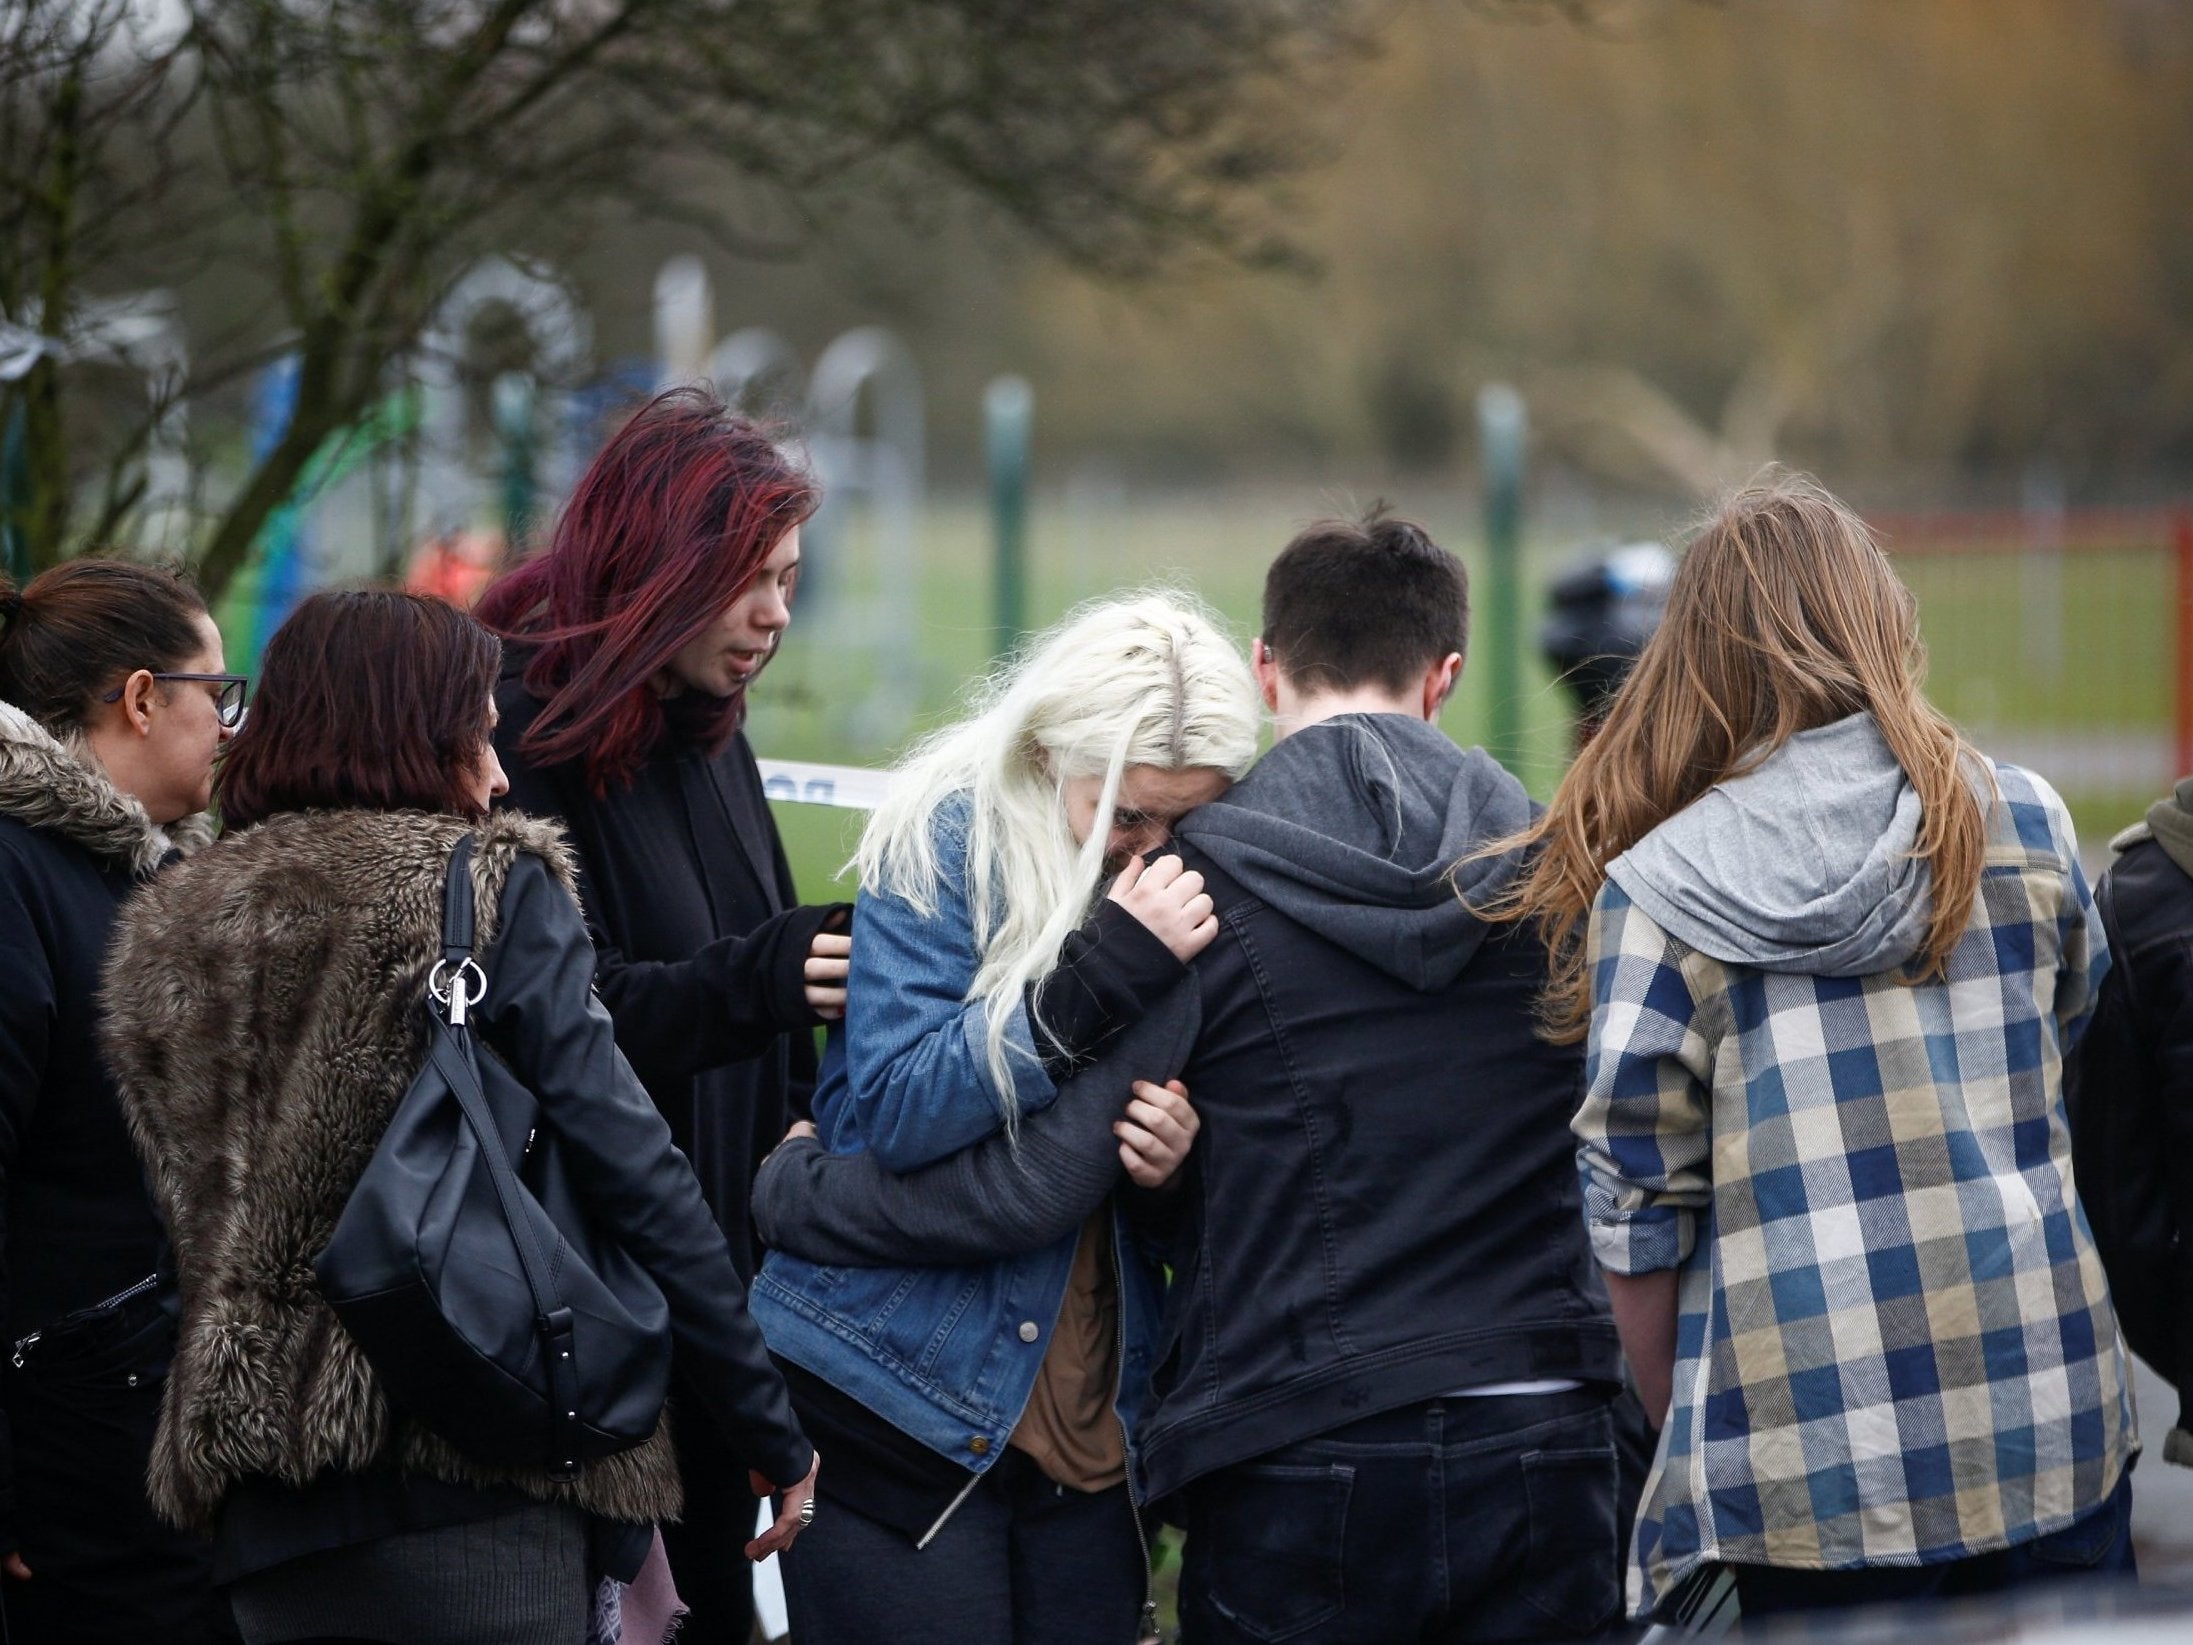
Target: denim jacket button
[(979, 1445), (1029, 1330)]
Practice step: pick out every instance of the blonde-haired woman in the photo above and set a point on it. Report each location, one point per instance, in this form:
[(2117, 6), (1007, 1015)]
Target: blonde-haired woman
[(975, 1416), (1829, 959)]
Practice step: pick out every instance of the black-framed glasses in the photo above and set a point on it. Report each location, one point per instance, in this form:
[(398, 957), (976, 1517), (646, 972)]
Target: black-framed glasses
[(228, 702)]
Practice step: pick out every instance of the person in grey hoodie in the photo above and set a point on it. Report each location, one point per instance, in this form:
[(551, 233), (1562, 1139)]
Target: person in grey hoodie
[(1382, 1397), (1830, 960)]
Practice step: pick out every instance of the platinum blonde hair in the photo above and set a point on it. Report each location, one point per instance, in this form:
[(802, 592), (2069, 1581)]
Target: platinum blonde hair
[(1148, 679)]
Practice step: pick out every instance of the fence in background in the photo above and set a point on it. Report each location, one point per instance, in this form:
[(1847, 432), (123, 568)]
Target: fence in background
[(2061, 639)]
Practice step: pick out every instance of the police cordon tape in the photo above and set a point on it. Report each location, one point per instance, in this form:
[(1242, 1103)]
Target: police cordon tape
[(803, 782)]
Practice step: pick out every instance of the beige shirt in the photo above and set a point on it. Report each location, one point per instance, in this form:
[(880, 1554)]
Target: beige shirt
[(1070, 1429)]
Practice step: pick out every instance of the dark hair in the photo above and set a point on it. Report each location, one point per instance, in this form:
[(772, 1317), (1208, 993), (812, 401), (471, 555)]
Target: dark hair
[(80, 629), (664, 530), (364, 699), (1355, 602)]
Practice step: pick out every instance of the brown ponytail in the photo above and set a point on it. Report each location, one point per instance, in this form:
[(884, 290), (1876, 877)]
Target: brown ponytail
[(80, 629)]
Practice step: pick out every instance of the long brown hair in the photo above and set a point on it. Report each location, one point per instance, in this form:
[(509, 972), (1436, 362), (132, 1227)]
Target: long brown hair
[(1784, 616)]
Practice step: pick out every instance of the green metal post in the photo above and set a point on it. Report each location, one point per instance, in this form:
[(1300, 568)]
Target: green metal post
[(514, 432), (1008, 414), (1502, 425)]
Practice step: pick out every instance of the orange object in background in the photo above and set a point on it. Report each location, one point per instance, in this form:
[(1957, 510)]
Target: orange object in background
[(455, 566)]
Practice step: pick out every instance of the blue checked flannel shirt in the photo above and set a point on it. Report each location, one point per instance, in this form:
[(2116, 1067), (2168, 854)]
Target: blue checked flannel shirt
[(1894, 1342)]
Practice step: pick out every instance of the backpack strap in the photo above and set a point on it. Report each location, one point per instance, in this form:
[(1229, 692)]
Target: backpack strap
[(457, 984)]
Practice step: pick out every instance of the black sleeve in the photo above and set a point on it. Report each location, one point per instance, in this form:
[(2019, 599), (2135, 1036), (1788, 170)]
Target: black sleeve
[(2165, 980), (727, 1003), (1000, 1197), (2128, 1088), (1108, 974), (802, 1065), (27, 1009), (541, 1014)]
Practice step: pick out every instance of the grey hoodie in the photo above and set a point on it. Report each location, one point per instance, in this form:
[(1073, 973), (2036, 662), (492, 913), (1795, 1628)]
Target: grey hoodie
[(1375, 863), (1803, 865)]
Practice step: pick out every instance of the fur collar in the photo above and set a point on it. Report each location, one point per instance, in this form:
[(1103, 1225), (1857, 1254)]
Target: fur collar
[(60, 788)]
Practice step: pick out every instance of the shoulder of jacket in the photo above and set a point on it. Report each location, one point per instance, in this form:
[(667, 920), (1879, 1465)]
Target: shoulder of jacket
[(1622, 929), (2150, 896), (507, 833), (2016, 788), (499, 843)]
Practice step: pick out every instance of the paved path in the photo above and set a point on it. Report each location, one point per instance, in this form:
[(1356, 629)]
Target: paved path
[(2162, 1496)]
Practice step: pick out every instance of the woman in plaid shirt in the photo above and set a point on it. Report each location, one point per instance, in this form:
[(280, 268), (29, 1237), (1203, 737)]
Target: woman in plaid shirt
[(1829, 959)]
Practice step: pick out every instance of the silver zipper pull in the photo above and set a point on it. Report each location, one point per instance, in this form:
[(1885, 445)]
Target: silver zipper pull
[(23, 1345)]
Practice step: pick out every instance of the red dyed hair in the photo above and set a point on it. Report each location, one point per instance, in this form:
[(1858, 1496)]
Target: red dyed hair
[(664, 530), (365, 699)]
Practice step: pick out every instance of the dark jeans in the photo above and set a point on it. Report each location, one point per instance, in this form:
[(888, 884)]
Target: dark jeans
[(1021, 1562), (1461, 1521), (82, 1412), (706, 1545), (2099, 1545)]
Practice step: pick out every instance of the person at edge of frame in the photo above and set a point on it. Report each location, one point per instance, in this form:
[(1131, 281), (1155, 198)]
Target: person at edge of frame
[(113, 703), (1384, 1399), (633, 640), (1017, 929), (1829, 959), (2129, 1086)]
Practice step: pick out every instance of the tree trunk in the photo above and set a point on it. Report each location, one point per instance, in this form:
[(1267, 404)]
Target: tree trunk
[(267, 489)]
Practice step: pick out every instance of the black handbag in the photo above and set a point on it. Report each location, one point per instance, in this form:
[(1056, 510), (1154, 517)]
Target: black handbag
[(484, 1302)]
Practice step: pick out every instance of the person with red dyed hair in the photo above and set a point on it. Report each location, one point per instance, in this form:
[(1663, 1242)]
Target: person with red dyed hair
[(633, 639)]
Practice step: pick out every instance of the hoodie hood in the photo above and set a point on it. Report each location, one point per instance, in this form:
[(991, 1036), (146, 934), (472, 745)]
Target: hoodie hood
[(58, 787), (1805, 864), (1357, 828)]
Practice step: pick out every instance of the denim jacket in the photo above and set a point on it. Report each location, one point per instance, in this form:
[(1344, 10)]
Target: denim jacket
[(948, 1355)]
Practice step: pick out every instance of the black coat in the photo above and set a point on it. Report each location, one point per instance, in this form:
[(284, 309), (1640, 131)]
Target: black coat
[(1389, 1209), (80, 1228), (2129, 1088), (682, 874)]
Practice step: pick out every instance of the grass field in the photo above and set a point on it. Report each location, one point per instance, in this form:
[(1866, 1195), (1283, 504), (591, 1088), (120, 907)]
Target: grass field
[(2055, 664)]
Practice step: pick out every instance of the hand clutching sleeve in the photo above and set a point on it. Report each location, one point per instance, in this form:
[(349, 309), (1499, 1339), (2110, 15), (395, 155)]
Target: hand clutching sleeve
[(997, 1198)]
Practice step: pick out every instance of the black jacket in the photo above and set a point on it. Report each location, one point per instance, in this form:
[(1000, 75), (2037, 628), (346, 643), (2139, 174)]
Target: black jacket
[(1382, 1204), (2129, 1088), (700, 948), (79, 1224)]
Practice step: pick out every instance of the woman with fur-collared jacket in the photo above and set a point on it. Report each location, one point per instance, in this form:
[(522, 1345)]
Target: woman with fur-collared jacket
[(265, 1016), (112, 704)]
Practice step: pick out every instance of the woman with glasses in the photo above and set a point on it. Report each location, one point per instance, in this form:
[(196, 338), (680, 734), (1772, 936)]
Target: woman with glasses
[(113, 704)]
